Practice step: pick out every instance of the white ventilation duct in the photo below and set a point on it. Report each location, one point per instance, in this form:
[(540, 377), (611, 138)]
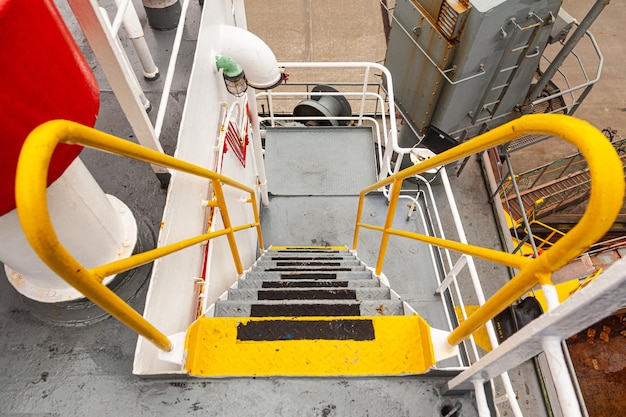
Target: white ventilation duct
[(254, 56)]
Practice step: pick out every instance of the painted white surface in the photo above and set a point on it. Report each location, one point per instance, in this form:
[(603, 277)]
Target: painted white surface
[(94, 227), (171, 302)]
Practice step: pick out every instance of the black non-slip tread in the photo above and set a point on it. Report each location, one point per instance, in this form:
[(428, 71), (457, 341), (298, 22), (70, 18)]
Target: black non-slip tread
[(339, 329)]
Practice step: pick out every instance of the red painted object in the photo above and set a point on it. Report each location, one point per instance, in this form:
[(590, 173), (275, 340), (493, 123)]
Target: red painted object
[(43, 76)]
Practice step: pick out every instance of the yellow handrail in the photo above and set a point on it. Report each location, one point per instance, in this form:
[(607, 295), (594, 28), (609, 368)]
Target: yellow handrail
[(605, 202), (32, 209)]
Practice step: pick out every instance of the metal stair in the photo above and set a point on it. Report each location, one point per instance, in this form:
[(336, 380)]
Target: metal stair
[(557, 185), (309, 311), (556, 194)]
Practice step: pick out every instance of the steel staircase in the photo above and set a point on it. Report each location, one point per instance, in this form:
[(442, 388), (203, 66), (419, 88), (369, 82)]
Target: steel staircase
[(309, 311), (557, 194)]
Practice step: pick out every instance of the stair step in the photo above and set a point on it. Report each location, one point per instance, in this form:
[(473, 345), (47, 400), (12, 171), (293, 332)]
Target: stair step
[(377, 293), (309, 259), (306, 255), (311, 268), (305, 346), (296, 264), (308, 249), (300, 308), (305, 283), (311, 275)]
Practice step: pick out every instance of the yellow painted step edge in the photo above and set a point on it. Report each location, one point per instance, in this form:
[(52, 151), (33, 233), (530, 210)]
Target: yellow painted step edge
[(401, 346)]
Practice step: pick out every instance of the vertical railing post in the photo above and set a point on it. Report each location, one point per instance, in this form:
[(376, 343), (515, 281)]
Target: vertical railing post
[(561, 376), (365, 83), (391, 211), (270, 104), (521, 204), (219, 194), (257, 147), (257, 220), (359, 213)]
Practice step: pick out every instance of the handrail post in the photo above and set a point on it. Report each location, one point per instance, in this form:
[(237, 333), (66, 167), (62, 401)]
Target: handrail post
[(362, 106), (521, 204), (359, 213), (257, 221), (391, 212), (219, 194), (566, 393)]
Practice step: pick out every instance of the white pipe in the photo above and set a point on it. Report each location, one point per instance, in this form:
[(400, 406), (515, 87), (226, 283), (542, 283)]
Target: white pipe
[(257, 159), (122, 6), (510, 393), (551, 295), (254, 56), (95, 228), (561, 376), (257, 148), (133, 28), (481, 399), (362, 106)]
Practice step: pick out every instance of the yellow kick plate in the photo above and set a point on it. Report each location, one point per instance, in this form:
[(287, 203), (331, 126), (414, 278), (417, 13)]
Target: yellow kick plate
[(223, 346)]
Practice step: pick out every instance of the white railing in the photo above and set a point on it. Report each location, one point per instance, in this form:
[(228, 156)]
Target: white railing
[(570, 91), (376, 89), (102, 36), (452, 270)]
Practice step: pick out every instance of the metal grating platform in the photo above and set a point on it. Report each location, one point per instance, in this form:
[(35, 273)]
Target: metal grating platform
[(319, 160)]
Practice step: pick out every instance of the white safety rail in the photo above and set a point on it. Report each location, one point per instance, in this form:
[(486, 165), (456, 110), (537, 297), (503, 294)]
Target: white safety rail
[(102, 35), (571, 84), (372, 97), (577, 85), (452, 270)]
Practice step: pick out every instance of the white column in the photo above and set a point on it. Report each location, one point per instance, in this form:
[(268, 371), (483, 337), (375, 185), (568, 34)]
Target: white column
[(95, 227)]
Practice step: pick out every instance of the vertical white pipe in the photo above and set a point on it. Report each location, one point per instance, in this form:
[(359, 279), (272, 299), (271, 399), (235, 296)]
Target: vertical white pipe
[(506, 381), (561, 376), (133, 83), (362, 107), (481, 399), (133, 28), (122, 6), (257, 146), (552, 297), (270, 104)]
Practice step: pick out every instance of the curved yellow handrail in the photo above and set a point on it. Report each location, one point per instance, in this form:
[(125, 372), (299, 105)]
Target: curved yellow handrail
[(32, 209), (605, 202)]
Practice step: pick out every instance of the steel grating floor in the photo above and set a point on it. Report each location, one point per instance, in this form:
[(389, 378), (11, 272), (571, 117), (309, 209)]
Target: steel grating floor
[(319, 160)]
